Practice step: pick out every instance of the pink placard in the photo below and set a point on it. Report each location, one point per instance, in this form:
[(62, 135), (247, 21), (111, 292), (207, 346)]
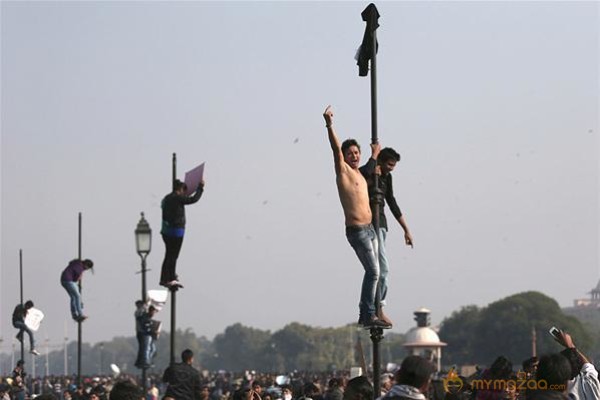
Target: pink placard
[(193, 178)]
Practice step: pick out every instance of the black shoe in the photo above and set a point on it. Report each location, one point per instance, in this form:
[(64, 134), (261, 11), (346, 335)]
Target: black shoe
[(19, 337), (374, 322)]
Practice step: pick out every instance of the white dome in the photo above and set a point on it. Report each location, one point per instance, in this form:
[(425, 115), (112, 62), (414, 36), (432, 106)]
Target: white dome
[(422, 337)]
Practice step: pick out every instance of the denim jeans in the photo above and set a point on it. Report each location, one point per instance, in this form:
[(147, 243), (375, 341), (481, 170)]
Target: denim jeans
[(20, 325), (364, 242), (73, 291), (383, 266), (147, 350)]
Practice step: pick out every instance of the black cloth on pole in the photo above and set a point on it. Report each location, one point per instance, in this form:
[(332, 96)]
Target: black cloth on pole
[(371, 16)]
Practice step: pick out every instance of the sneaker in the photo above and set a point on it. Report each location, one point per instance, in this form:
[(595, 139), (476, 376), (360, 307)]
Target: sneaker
[(81, 318), (19, 337), (34, 352), (174, 284)]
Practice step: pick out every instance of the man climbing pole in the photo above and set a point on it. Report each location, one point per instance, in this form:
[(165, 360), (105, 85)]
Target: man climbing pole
[(354, 196), (173, 229)]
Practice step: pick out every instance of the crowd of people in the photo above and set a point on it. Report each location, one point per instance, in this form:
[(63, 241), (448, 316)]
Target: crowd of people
[(568, 375)]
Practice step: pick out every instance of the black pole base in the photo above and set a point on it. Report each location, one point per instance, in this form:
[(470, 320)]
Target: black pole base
[(376, 337)]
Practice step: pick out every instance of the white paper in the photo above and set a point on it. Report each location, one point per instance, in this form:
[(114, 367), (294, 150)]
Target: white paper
[(193, 178), (34, 318)]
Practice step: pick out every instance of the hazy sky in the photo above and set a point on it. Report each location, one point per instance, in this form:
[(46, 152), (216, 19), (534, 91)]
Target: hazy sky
[(493, 106)]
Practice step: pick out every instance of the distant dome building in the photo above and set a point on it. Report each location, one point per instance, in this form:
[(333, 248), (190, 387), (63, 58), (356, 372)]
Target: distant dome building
[(422, 340)]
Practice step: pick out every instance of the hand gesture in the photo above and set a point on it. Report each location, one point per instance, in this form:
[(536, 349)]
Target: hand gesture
[(565, 339), (328, 115), (408, 239)]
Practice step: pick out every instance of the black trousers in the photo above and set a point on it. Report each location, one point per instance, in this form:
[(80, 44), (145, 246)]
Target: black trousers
[(172, 248)]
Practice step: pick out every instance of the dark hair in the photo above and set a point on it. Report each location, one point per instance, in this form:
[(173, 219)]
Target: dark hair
[(334, 382), (349, 143), (46, 396), (179, 185), (574, 360), (360, 387), (88, 263), (126, 390), (414, 371), (28, 304), (187, 355), (386, 154), (529, 363), (20, 363), (501, 368), (555, 369)]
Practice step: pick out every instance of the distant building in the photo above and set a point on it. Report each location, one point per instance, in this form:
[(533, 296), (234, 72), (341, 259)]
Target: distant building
[(592, 301), (423, 340)]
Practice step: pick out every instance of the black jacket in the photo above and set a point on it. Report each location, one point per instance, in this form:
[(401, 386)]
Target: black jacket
[(184, 382), (173, 208)]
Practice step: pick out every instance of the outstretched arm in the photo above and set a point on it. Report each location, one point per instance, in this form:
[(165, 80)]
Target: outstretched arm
[(333, 140), (196, 196)]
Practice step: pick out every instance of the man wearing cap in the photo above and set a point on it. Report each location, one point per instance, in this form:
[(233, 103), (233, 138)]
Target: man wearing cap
[(69, 280), (412, 380)]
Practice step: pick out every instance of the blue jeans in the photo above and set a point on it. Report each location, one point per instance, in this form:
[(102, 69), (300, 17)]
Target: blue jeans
[(363, 241), (20, 325), (383, 266), (147, 350), (73, 291)]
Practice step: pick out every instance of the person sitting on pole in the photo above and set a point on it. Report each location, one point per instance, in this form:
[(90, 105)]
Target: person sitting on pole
[(383, 166), (18, 320), (69, 280), (173, 229), (354, 196)]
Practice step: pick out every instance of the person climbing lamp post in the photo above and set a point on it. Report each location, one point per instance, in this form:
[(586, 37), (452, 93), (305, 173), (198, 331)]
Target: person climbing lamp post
[(143, 245)]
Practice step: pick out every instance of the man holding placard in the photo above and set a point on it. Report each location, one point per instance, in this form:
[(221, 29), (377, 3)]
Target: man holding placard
[(18, 320), (173, 228)]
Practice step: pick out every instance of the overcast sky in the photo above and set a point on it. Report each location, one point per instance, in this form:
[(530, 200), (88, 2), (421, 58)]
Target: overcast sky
[(493, 106)]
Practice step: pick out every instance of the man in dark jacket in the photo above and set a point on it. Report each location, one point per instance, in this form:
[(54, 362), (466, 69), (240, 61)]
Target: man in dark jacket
[(18, 320), (173, 228), (183, 380), (383, 166)]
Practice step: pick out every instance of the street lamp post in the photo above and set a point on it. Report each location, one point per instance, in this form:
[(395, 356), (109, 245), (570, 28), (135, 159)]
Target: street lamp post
[(143, 245)]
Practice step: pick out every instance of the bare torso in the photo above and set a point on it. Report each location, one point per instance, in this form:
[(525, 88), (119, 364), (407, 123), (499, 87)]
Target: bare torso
[(352, 188)]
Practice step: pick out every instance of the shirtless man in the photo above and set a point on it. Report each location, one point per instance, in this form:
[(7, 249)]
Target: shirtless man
[(354, 196)]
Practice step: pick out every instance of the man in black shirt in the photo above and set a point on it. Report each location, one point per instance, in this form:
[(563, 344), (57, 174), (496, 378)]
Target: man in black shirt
[(383, 166), (173, 229), (183, 379), (18, 320)]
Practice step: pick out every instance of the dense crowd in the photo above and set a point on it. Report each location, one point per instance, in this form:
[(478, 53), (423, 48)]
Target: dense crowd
[(567, 375)]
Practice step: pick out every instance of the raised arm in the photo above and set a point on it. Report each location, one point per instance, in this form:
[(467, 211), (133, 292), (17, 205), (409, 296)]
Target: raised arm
[(338, 157)]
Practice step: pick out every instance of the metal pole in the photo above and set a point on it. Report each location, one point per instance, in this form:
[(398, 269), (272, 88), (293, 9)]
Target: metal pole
[(21, 285), (173, 289), (370, 16), (376, 337), (144, 300), (79, 330)]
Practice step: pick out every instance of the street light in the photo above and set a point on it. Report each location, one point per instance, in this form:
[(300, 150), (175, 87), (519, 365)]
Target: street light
[(143, 244)]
